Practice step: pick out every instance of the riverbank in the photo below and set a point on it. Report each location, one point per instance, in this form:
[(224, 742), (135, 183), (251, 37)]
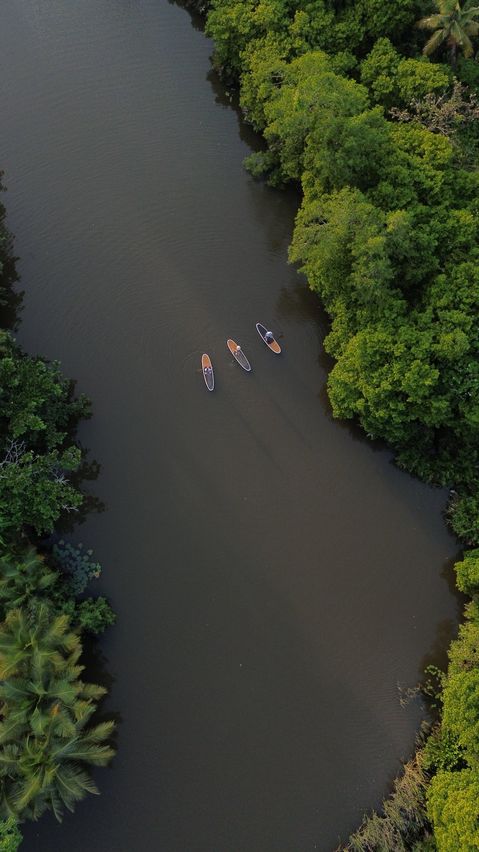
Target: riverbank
[(384, 145)]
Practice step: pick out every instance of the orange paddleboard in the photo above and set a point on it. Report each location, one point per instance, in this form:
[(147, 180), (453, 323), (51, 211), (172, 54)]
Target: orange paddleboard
[(238, 353), (208, 374), (271, 344)]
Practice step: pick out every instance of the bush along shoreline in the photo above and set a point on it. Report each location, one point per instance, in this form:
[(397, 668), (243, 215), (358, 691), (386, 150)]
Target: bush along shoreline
[(372, 109), (48, 738)]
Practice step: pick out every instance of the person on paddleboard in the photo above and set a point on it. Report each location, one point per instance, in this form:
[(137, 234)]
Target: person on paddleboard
[(269, 337)]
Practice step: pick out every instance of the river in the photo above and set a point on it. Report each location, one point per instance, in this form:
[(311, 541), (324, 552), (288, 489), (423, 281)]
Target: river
[(275, 577)]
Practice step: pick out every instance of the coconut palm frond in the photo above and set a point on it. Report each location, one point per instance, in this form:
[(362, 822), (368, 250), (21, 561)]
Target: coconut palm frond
[(27, 791), (92, 690), (431, 22), (10, 731), (454, 24), (56, 806), (446, 7), (101, 732), (73, 784), (467, 47), (433, 43), (63, 690), (93, 754)]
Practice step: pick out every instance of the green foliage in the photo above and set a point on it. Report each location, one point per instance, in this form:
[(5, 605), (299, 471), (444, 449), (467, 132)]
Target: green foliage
[(426, 844), (394, 80), (431, 687), (36, 401), (452, 805), (417, 78), (464, 516), (454, 25), (10, 835), (37, 414), (232, 25), (265, 69), (28, 581), (46, 740), (461, 710), (461, 689), (467, 70), (467, 573), (95, 615), (379, 72), (453, 750), (443, 752), (8, 276), (454, 114), (309, 108), (23, 578), (34, 490)]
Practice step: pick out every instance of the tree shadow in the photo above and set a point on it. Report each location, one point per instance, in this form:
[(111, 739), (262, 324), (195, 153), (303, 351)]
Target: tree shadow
[(225, 93), (96, 664), (227, 96), (88, 471), (196, 10), (446, 632), (97, 671), (11, 300), (298, 303)]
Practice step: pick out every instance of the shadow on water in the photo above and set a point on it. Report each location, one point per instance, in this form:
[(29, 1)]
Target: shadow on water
[(195, 9), (97, 666), (446, 630), (10, 298), (88, 471), (228, 98)]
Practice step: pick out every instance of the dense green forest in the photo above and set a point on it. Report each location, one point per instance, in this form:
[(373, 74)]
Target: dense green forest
[(47, 737), (371, 108)]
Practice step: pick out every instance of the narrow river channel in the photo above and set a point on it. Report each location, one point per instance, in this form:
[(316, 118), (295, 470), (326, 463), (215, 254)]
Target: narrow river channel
[(275, 577)]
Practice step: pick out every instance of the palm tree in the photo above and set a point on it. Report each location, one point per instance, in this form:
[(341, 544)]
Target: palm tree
[(28, 643), (47, 771), (455, 24), (45, 768), (24, 577), (45, 737)]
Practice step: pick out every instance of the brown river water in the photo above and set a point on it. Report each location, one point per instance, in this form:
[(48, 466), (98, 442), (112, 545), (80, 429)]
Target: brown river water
[(275, 577)]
